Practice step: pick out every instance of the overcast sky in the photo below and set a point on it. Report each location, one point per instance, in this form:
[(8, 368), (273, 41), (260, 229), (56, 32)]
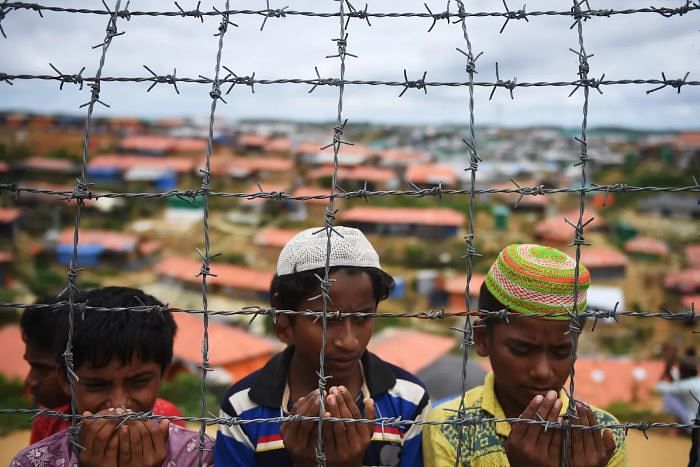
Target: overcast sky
[(624, 46)]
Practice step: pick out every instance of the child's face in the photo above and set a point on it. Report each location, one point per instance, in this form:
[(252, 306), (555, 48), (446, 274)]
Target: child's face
[(528, 357), (43, 379), (346, 339), (133, 386)]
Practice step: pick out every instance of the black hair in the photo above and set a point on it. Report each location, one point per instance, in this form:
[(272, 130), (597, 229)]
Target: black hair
[(39, 323), (488, 302), (102, 335), (292, 289)]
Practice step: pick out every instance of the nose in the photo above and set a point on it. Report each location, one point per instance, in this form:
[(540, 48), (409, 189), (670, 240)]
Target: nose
[(541, 369), (345, 339), (119, 398)]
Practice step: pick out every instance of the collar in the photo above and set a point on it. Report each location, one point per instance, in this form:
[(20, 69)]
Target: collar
[(490, 404), (268, 388)]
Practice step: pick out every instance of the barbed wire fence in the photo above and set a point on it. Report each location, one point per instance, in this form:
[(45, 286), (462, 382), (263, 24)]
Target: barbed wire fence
[(580, 11)]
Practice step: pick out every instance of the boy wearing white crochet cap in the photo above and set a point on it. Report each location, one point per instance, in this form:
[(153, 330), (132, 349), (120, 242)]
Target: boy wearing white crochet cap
[(530, 359), (360, 384)]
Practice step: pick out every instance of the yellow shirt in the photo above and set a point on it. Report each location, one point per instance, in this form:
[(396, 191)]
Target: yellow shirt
[(483, 445)]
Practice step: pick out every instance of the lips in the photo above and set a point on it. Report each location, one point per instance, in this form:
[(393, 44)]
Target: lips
[(341, 363)]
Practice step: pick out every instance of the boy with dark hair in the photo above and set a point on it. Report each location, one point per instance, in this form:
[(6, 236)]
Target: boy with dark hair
[(361, 384), (120, 359), (38, 325), (44, 346), (530, 360)]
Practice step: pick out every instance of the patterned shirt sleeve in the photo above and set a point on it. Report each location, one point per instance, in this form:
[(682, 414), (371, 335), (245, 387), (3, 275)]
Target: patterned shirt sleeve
[(437, 451)]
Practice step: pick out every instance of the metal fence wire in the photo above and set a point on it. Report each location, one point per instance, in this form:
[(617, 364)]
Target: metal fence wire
[(455, 13)]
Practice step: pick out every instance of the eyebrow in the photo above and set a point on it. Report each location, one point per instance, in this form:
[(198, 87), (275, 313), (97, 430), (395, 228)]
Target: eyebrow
[(143, 374), (523, 342)]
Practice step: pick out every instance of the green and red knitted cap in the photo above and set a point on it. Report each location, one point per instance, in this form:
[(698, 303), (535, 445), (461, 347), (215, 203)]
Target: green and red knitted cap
[(532, 279)]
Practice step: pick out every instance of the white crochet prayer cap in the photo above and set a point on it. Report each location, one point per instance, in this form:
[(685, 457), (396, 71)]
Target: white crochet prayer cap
[(307, 250)]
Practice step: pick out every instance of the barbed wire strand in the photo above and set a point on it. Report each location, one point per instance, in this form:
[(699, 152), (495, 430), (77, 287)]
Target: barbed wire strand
[(686, 7), (470, 142), (251, 81), (206, 256), (81, 186), (415, 192), (595, 313), (466, 420), (574, 324)]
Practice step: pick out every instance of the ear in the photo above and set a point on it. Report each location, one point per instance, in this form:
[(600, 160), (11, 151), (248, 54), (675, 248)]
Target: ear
[(481, 340), (284, 329)]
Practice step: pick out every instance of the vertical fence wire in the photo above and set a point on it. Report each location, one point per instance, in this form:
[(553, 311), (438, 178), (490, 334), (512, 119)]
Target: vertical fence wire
[(329, 221), (468, 331), (575, 327), (206, 256), (81, 188)]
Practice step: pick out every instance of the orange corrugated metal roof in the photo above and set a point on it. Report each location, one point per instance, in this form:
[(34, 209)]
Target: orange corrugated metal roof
[(227, 275), (688, 140), (8, 215), (358, 173), (149, 247), (189, 145), (686, 281), (431, 173), (274, 236), (555, 229), (278, 145), (148, 143), (6, 256), (48, 164), (692, 255), (309, 147), (250, 139), (647, 245), (269, 164), (457, 284), (12, 363), (355, 154), (227, 344), (170, 122), (602, 257), (108, 239), (395, 156), (603, 381), (127, 161), (409, 349), (227, 164), (423, 216)]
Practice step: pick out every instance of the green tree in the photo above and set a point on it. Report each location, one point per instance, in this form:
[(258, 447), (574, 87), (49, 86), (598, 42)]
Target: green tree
[(12, 397), (184, 391)]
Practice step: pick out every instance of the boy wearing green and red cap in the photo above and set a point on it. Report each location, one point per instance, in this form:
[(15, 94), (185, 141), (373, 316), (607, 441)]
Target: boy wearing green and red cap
[(530, 360)]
